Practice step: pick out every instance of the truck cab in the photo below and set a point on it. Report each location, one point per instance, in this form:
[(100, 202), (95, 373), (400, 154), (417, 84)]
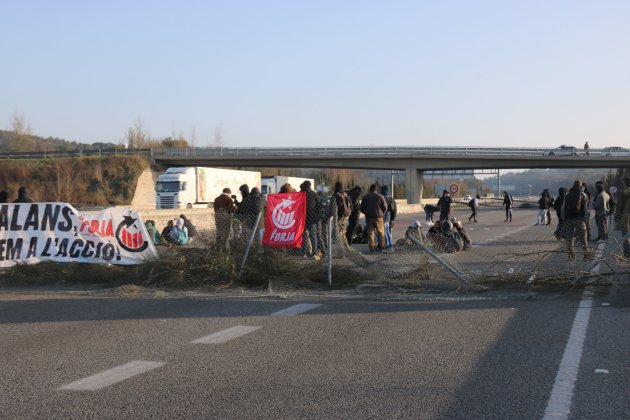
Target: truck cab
[(176, 188)]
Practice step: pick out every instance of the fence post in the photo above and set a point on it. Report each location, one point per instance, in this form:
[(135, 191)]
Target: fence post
[(249, 244), (329, 251), (438, 259)]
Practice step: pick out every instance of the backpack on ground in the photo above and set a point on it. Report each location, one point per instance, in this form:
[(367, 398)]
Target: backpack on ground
[(573, 204)]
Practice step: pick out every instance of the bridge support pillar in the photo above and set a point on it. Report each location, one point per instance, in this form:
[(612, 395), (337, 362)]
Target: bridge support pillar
[(413, 184)]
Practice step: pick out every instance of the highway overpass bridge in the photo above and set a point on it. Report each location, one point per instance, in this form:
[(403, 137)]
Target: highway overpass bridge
[(413, 160)]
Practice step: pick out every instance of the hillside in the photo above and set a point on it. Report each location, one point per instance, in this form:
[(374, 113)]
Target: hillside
[(13, 142), (97, 181)]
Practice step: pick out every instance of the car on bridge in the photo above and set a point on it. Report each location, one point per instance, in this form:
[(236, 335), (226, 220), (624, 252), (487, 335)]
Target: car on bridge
[(615, 151), (562, 151)]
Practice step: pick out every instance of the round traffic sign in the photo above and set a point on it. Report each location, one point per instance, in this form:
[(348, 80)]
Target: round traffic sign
[(453, 188)]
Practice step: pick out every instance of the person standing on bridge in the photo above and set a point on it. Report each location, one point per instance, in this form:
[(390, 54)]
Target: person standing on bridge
[(444, 204), (587, 148)]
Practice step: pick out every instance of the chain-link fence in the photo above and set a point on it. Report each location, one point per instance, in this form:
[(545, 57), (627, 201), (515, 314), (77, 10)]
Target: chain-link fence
[(224, 252)]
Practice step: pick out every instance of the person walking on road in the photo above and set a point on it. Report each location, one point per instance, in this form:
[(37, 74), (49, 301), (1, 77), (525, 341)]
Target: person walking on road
[(573, 214), (374, 206), (508, 202), (444, 204), (474, 205)]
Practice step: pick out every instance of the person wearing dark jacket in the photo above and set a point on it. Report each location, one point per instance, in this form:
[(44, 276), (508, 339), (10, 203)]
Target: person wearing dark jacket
[(508, 202), (574, 211), (4, 196), (389, 217), (23, 196), (374, 207), (543, 205), (313, 210), (557, 205), (353, 219), (444, 204)]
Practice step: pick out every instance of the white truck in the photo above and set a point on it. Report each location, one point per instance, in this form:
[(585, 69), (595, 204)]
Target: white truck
[(272, 184), (196, 186)]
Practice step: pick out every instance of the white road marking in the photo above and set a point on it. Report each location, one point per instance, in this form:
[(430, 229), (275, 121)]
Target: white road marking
[(111, 376), (559, 403), (296, 309), (501, 236), (225, 335)]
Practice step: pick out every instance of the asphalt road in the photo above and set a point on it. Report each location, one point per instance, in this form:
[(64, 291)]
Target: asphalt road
[(346, 358)]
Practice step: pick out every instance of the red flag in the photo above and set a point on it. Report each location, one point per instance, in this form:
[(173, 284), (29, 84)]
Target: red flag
[(284, 220)]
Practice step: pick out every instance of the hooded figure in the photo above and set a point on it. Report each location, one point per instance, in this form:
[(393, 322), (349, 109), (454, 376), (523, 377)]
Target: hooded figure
[(23, 196), (179, 234)]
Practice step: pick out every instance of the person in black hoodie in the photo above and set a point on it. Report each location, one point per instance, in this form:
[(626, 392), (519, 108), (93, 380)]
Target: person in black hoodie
[(4, 196), (444, 204), (353, 219), (389, 217), (374, 207), (557, 205)]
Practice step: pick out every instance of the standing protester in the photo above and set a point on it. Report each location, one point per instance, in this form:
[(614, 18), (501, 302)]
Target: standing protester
[(587, 148), (224, 208), (557, 205), (573, 215), (508, 202), (353, 219), (612, 204), (389, 217), (587, 218), (551, 203), (4, 196), (23, 196), (543, 205), (344, 207), (374, 207), (622, 215), (474, 205), (286, 188), (444, 204), (313, 209), (600, 204)]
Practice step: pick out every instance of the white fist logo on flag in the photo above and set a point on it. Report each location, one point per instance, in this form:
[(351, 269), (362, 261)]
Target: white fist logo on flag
[(282, 218)]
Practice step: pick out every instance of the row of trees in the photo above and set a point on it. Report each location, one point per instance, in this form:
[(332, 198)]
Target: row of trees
[(138, 137)]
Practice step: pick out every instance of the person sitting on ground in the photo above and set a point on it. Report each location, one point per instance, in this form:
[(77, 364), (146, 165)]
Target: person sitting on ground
[(166, 232), (4, 196), (192, 230), (445, 238), (23, 196), (462, 233), (153, 232), (179, 234)]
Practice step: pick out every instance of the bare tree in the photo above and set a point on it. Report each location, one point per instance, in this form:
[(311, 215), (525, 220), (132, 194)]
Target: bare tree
[(217, 141), (19, 125), (137, 135)]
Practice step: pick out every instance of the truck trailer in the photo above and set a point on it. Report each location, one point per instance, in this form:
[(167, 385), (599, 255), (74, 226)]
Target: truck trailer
[(190, 187), (272, 184)]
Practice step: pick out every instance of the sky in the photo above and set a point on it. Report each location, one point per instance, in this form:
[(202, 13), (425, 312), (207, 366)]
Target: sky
[(321, 73)]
